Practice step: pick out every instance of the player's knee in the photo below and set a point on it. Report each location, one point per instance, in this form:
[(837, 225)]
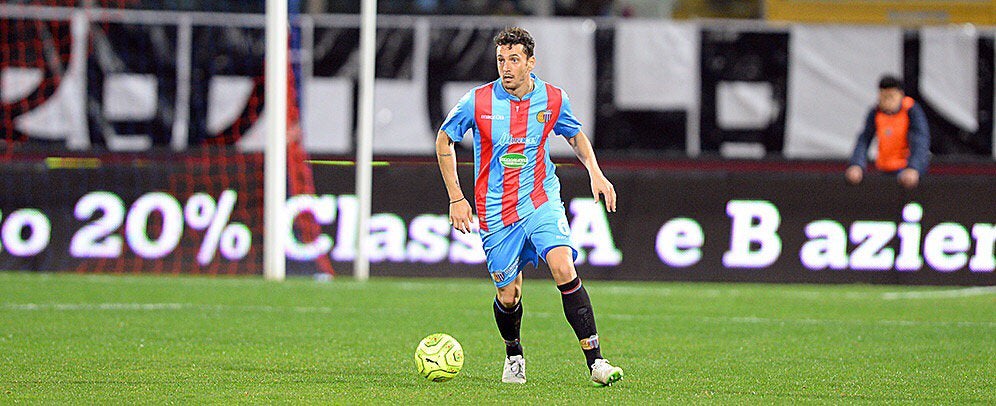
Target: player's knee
[(561, 263), (563, 272), (508, 297)]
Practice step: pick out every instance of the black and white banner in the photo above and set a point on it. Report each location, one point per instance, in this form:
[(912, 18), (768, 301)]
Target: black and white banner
[(134, 80)]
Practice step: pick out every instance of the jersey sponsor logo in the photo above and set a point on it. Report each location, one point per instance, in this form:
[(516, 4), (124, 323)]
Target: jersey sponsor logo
[(492, 117), (544, 116), (512, 161), (507, 139)]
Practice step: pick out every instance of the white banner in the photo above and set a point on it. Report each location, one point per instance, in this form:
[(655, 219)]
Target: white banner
[(949, 73), (833, 82), (565, 57), (656, 65)]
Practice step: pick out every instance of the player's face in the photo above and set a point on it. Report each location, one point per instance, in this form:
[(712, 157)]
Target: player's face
[(514, 67), (889, 100)]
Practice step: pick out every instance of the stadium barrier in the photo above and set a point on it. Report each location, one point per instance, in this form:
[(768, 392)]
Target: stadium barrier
[(133, 80), (684, 221)]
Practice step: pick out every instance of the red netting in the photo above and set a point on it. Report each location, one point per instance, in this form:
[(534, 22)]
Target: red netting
[(34, 58), (30, 50), (210, 170), (299, 174), (35, 50)]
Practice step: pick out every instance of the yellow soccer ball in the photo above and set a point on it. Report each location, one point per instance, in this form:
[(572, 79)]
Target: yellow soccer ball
[(438, 357)]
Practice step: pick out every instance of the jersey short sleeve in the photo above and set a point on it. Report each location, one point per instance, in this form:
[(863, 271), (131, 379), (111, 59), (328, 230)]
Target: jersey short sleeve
[(567, 125), (460, 119)]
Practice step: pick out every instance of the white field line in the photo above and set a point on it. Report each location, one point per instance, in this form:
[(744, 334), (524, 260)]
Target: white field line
[(545, 315), (942, 294), (157, 306), (768, 320), (635, 290), (733, 292), (805, 294)]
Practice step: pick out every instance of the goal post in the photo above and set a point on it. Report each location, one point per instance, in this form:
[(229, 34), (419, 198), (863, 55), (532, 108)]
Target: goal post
[(275, 160), (364, 141), (276, 149)]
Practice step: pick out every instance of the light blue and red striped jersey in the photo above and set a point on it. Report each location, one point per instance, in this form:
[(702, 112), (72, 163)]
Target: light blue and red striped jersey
[(514, 174)]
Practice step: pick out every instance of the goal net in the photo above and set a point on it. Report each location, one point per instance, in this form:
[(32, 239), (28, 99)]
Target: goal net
[(132, 139)]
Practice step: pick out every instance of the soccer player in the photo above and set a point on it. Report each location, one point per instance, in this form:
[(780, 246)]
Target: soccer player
[(517, 194), (903, 137)]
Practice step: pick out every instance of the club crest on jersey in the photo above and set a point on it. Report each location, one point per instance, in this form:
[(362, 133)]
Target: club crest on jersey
[(512, 161), (544, 116)]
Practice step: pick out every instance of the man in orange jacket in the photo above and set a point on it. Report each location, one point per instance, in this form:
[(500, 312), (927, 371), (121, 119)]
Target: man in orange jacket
[(900, 126)]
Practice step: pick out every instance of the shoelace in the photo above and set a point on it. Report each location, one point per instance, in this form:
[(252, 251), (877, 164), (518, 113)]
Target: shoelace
[(601, 367), (515, 368)]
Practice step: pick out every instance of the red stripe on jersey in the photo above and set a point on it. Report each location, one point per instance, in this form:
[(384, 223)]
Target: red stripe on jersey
[(510, 180), (553, 102), (482, 117)]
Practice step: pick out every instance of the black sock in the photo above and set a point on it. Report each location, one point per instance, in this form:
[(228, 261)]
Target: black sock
[(577, 308), (508, 321)]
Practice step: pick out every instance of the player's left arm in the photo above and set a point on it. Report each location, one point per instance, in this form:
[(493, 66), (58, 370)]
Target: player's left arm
[(600, 185), (918, 138)]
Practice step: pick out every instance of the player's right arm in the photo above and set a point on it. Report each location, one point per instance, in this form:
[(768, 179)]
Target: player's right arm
[(855, 171), (457, 122), (460, 212)]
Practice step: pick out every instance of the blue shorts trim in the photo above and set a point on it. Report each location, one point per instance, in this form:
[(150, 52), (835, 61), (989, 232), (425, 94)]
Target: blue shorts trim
[(574, 251)]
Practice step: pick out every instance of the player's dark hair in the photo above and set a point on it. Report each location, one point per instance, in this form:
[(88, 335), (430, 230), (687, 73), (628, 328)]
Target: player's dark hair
[(890, 82), (515, 35)]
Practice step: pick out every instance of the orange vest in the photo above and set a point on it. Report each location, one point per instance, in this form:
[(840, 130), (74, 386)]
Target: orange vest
[(891, 131)]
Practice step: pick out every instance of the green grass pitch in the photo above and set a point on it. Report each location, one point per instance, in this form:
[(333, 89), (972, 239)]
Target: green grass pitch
[(193, 340)]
